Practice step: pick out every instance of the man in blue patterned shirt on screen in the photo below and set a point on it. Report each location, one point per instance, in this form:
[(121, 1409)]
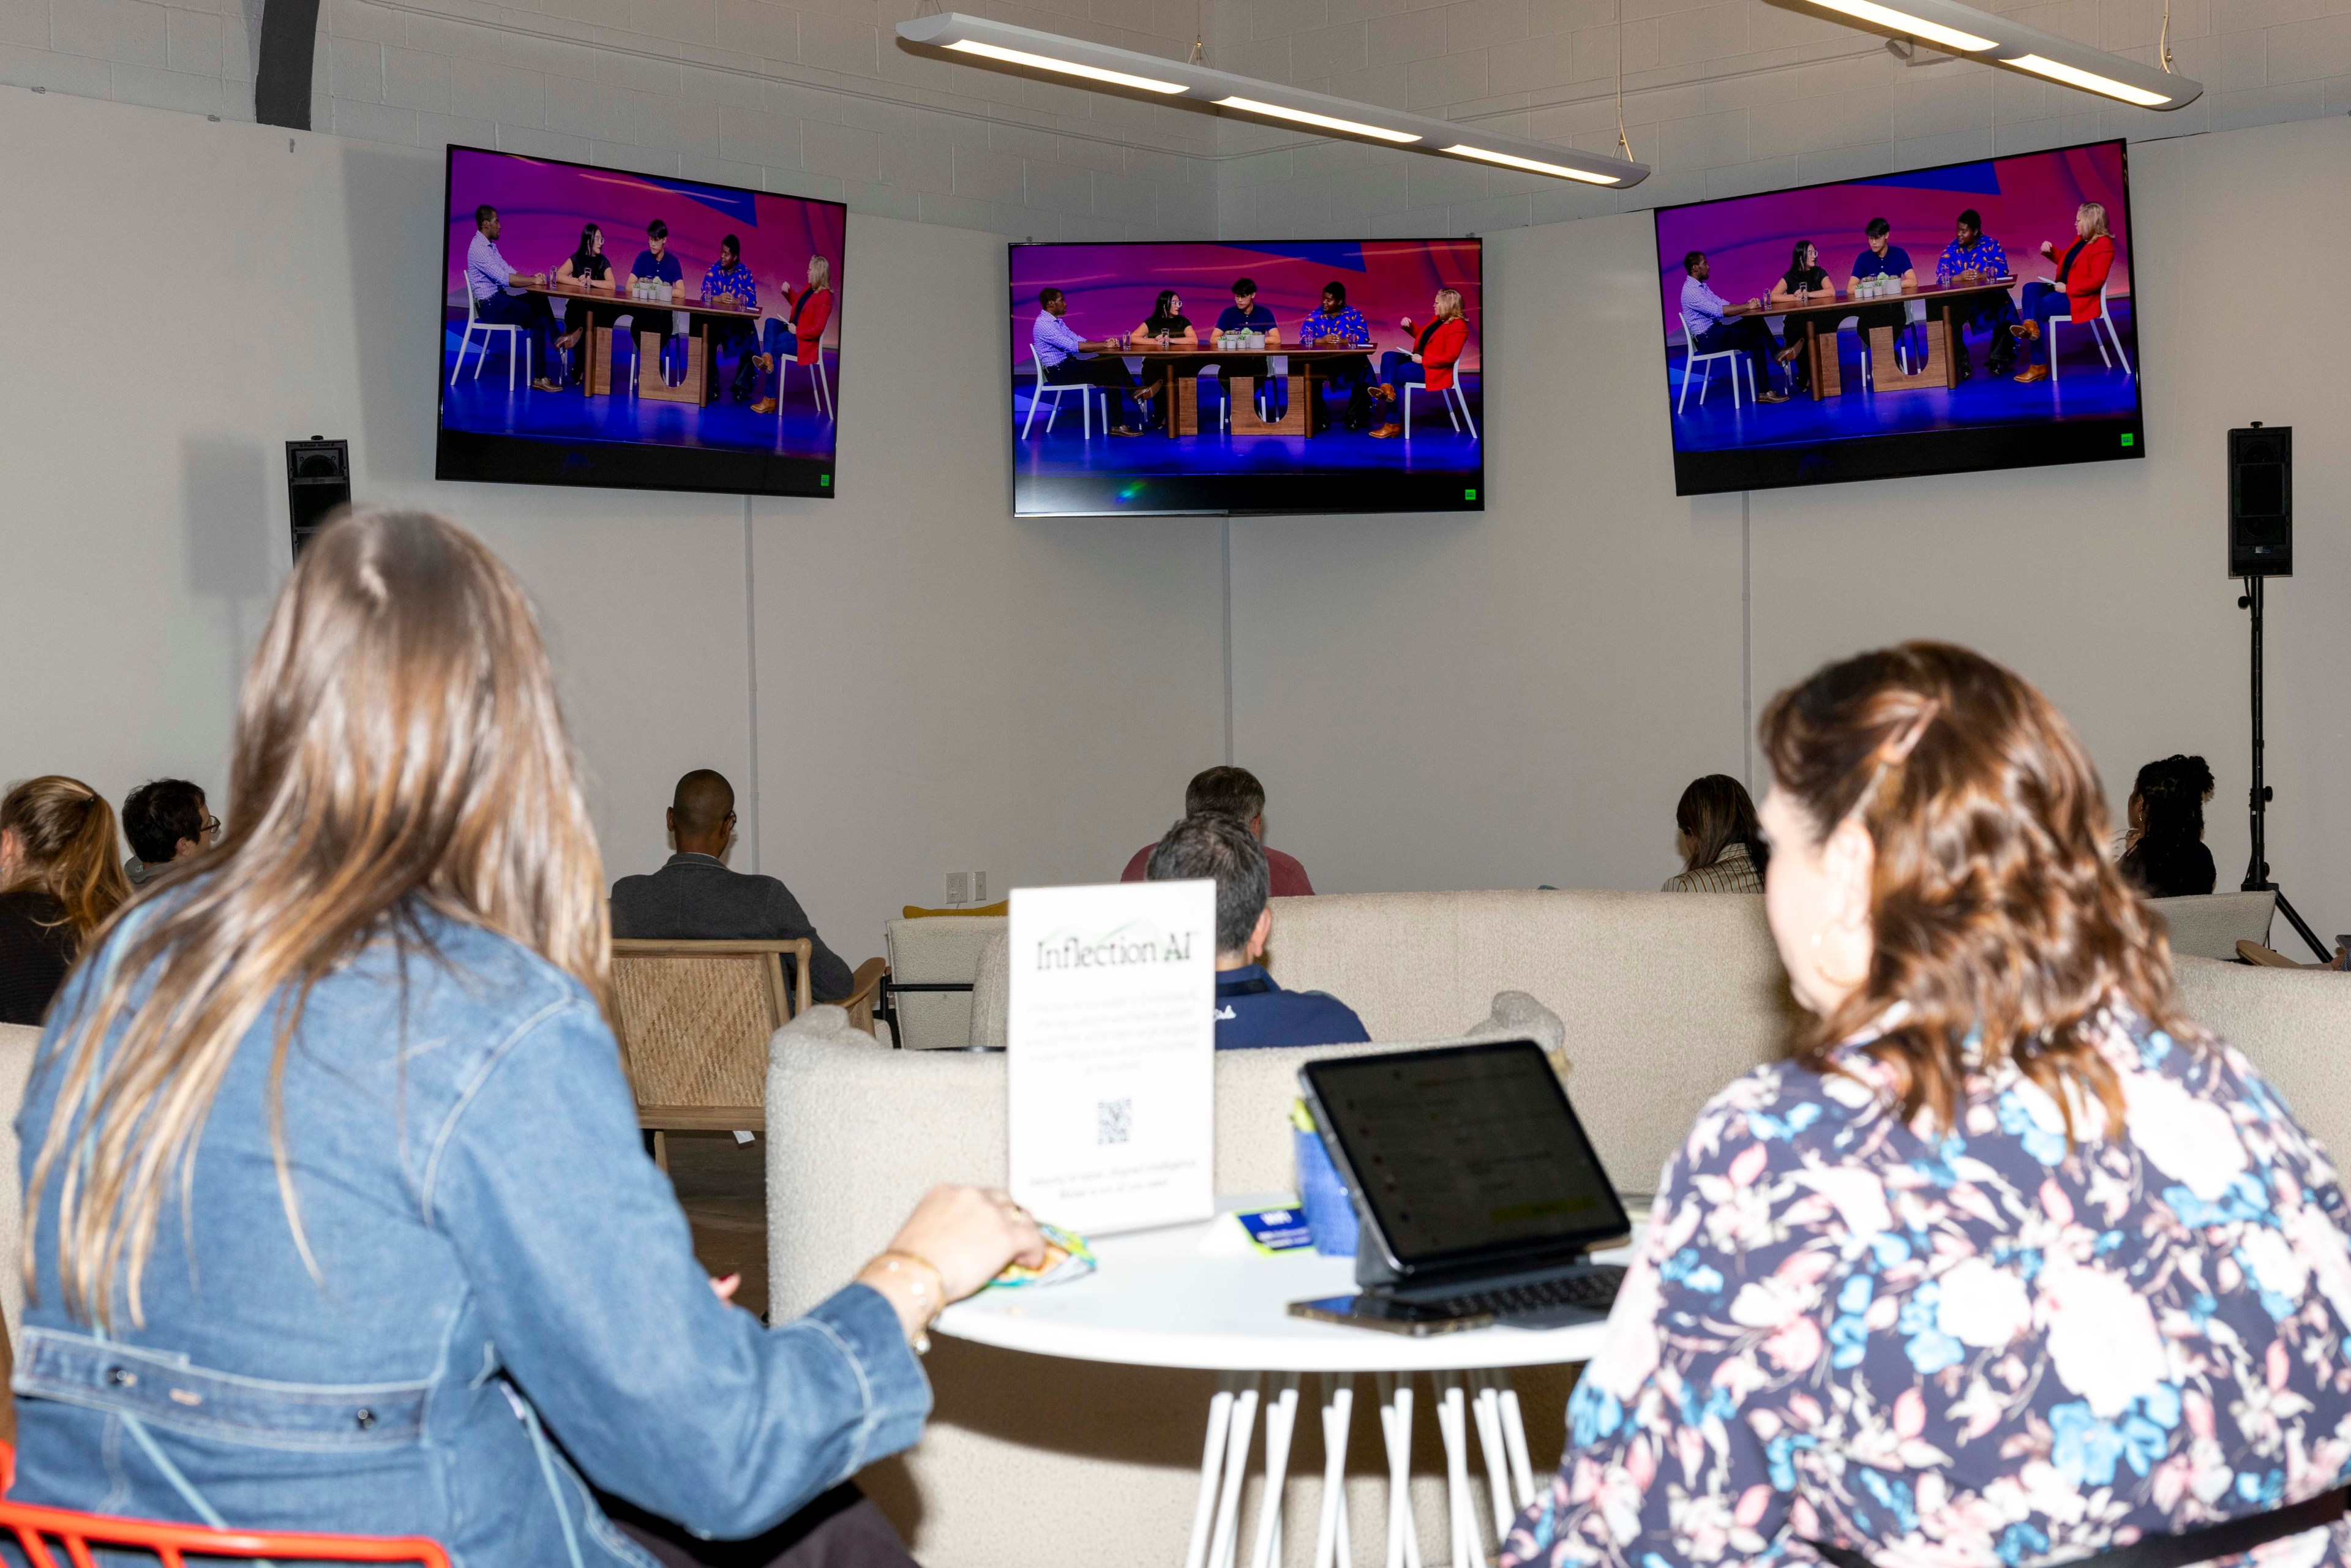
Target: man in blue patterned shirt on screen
[(1339, 322), (1061, 352), (729, 281), (1974, 254)]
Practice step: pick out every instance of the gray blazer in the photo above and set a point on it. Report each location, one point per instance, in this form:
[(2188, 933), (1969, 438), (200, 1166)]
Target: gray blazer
[(694, 898)]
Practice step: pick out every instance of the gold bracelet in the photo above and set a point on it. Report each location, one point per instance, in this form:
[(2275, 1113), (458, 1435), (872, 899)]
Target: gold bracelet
[(931, 1299)]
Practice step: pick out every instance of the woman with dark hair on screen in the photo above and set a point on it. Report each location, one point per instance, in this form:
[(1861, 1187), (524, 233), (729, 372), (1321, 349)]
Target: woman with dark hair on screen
[(1167, 320), (59, 884), (336, 1215), (2010, 1263), (2165, 855), (1806, 280), (587, 268), (1721, 848)]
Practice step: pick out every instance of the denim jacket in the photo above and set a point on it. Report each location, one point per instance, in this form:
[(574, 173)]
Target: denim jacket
[(505, 1299)]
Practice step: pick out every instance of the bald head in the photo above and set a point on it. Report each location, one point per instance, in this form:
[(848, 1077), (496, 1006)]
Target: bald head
[(702, 813)]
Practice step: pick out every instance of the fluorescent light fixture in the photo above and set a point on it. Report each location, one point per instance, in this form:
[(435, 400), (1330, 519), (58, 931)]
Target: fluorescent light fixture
[(1001, 43), (1901, 22), (1966, 30), (1322, 122), (1532, 165), (1066, 68), (2088, 81)]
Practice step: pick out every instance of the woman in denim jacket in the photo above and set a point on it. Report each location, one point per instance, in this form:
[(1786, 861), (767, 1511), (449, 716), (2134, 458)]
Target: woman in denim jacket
[(337, 1216)]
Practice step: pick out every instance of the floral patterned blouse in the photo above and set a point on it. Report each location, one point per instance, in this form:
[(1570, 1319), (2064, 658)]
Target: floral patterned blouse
[(1971, 1349)]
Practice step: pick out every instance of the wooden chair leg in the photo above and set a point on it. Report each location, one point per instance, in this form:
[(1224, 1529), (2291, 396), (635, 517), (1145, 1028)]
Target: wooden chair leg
[(660, 1150)]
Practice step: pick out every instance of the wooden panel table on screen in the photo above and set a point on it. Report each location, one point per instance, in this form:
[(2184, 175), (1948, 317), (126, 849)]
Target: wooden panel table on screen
[(1178, 369), (1818, 322), (596, 378)]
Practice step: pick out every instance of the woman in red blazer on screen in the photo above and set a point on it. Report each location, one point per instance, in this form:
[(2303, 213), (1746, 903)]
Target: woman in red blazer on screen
[(804, 333), (1430, 361), (2081, 276)]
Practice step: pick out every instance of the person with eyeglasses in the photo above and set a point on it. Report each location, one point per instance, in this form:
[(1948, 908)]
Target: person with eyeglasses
[(168, 823), (695, 897)]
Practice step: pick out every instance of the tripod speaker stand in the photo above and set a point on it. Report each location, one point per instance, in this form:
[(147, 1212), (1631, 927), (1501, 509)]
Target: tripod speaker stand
[(2261, 545)]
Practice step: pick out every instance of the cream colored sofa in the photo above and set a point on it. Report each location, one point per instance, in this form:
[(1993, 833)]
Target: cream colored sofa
[(2211, 926), (1663, 997)]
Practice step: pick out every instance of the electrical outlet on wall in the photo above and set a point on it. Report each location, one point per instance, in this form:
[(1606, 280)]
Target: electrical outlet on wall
[(979, 887), (958, 887)]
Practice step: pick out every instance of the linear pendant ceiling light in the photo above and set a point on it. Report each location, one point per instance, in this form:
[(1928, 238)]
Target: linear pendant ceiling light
[(980, 39), (1997, 40)]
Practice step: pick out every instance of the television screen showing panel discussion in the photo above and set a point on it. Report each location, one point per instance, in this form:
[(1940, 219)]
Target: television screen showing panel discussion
[(604, 328), (1973, 316), (1331, 376)]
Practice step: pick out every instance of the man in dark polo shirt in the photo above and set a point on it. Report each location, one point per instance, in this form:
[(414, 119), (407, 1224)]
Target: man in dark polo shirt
[(694, 898), (1251, 1010), (1233, 792)]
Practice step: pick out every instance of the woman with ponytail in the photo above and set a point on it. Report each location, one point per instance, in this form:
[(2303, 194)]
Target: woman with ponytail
[(59, 882)]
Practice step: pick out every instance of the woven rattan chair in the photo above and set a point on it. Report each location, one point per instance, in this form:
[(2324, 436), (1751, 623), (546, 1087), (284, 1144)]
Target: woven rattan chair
[(695, 1018)]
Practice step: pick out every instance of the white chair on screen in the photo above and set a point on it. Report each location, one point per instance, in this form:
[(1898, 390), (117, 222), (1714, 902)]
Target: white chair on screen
[(518, 345), (1860, 337), (822, 389), (1449, 394), (2049, 329), (1695, 360), (1084, 390)]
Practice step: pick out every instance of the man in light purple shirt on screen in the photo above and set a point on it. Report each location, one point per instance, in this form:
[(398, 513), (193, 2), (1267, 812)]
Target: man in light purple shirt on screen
[(1061, 350), (489, 279), (1705, 318)]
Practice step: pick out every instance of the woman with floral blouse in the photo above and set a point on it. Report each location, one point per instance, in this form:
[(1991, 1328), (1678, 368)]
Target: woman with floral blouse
[(2010, 1264)]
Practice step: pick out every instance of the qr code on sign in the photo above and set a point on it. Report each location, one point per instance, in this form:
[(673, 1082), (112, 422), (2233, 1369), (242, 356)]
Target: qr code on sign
[(1114, 1120)]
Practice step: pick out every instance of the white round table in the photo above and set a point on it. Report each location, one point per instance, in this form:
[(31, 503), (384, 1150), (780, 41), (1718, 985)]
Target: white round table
[(1202, 1297)]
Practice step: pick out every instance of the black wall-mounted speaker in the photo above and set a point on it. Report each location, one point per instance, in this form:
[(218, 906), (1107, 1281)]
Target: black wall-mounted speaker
[(2261, 501), (318, 484)]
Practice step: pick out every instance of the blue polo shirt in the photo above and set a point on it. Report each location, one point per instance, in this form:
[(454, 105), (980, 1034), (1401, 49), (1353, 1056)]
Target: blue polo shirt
[(1256, 319), (1893, 264), (664, 266), (1251, 1011)]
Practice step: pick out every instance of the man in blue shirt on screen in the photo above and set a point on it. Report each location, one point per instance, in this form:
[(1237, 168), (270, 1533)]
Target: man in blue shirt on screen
[(488, 279), (1251, 1009), (1246, 315), (1706, 322), (1338, 322), (1974, 255), (729, 281), (655, 263), (1061, 350), (1881, 258)]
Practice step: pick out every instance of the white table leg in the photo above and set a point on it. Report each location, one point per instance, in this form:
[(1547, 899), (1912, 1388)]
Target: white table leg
[(1514, 1438), (1489, 1407), (1453, 1426), (1338, 1411), (1212, 1459), (1281, 1421), (1396, 1425), (1236, 1447)]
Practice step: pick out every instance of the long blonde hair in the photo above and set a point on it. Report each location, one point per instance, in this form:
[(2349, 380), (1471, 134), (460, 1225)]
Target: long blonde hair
[(399, 749), (66, 832), (2095, 213)]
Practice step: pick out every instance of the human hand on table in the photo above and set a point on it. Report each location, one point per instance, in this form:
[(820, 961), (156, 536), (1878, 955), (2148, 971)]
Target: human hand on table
[(957, 1241)]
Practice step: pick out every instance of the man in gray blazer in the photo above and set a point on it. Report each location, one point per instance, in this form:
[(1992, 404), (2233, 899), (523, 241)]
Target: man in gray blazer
[(694, 898)]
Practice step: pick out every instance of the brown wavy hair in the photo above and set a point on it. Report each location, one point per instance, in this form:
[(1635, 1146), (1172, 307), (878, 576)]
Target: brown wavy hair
[(66, 831), (398, 750), (1996, 917)]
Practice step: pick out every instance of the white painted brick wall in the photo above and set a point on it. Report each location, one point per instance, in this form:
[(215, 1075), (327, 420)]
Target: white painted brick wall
[(816, 97)]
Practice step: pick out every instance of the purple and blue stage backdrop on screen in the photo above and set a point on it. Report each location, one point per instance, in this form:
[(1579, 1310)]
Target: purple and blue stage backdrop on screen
[(1279, 455), (781, 418), (1953, 413)]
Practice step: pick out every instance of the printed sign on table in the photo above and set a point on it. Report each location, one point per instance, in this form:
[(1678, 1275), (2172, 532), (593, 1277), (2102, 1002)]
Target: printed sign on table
[(1112, 1042)]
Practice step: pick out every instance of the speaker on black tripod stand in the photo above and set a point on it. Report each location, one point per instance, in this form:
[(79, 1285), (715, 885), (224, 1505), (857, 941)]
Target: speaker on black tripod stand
[(2261, 545)]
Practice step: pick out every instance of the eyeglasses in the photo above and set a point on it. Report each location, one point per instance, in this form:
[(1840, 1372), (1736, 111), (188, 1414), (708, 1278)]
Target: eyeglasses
[(212, 825)]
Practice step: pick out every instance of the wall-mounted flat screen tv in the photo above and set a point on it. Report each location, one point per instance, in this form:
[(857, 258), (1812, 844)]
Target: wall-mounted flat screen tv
[(604, 328), (1974, 316), (1335, 376)]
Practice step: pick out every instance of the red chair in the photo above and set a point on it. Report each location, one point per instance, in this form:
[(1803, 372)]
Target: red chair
[(73, 1534)]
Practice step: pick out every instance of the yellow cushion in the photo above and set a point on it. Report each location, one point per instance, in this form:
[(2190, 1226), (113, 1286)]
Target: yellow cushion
[(1001, 906)]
